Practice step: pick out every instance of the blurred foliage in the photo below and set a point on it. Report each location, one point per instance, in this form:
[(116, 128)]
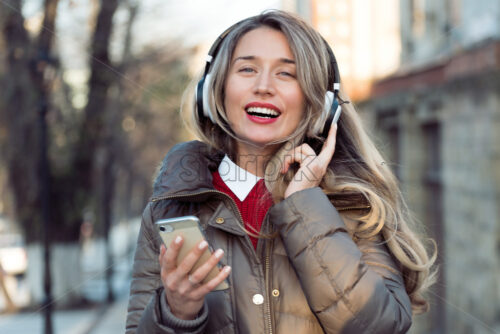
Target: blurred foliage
[(138, 123), (151, 96)]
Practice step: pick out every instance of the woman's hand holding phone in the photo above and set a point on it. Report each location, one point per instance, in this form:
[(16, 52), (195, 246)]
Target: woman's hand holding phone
[(185, 291)]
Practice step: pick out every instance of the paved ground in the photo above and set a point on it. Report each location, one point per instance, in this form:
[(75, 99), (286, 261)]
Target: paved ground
[(99, 319), (113, 321)]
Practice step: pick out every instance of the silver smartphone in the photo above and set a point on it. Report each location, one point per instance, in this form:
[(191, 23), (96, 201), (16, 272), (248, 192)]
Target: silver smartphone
[(190, 229)]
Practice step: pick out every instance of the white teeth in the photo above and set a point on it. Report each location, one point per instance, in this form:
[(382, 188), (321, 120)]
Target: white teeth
[(265, 111)]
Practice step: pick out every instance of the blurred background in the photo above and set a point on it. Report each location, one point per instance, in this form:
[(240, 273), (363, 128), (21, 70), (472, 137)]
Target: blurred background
[(89, 105)]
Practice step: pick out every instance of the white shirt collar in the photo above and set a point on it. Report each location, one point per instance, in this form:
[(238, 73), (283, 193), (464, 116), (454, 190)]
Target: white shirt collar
[(239, 180)]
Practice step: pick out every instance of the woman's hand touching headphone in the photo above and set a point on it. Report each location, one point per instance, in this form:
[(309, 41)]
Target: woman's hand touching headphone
[(312, 167)]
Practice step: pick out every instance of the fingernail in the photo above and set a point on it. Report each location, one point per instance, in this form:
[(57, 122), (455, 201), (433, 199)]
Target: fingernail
[(227, 269), (202, 244), (218, 253), (178, 239)]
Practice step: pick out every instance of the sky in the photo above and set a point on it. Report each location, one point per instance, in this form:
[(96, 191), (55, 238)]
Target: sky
[(195, 20), (159, 21)]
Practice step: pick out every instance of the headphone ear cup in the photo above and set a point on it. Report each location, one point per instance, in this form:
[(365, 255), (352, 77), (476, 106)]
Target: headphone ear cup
[(319, 125), (199, 98), (207, 111), (331, 119), (202, 98)]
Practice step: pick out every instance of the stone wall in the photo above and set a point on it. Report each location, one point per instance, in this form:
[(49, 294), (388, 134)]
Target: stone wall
[(443, 141)]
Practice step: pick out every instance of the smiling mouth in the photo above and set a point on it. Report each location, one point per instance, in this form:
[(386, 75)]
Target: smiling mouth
[(262, 112)]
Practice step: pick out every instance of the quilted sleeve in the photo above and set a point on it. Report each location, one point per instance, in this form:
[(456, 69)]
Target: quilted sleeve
[(351, 287)]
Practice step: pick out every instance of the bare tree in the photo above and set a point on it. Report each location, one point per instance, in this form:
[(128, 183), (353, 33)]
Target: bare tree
[(112, 142), (26, 84)]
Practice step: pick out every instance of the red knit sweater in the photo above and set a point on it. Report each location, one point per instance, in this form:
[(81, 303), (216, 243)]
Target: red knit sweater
[(253, 208)]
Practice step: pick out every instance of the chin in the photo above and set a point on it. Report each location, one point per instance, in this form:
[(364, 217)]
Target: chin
[(262, 141)]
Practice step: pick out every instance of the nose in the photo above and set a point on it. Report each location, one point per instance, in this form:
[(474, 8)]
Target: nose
[(264, 84)]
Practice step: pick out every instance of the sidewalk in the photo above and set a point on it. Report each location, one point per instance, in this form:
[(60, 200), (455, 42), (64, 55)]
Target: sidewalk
[(113, 321), (98, 320)]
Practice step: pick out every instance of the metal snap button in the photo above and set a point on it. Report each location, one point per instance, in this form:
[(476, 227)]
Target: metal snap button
[(219, 220), (276, 293), (258, 299)]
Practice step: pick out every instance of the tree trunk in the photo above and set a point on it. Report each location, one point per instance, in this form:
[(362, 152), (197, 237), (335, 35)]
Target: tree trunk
[(74, 190), (101, 78), (110, 147), (21, 96)]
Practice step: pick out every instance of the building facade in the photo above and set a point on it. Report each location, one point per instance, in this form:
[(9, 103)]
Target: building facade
[(363, 34), (438, 118)]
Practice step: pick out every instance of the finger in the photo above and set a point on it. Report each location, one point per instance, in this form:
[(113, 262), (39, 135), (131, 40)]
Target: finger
[(192, 280), (297, 155), (212, 284), (163, 249), (307, 150), (187, 286), (163, 271), (328, 149), (169, 260), (202, 272), (191, 258)]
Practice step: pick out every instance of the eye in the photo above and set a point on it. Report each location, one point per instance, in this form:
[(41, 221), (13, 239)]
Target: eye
[(287, 74), (246, 70)]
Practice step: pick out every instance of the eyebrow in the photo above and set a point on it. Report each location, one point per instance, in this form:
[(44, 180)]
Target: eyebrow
[(282, 60)]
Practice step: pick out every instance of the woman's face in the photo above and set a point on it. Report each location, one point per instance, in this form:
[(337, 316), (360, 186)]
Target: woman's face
[(263, 99)]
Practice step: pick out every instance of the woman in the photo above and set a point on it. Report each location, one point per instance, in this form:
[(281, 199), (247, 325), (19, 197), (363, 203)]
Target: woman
[(318, 239)]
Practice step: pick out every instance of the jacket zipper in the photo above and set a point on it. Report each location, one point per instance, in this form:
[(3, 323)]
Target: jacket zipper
[(268, 286), (354, 208)]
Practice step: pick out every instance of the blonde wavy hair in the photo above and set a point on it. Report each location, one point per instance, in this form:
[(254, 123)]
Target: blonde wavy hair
[(356, 177)]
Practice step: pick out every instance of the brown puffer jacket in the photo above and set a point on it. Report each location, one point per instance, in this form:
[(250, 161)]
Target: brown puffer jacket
[(312, 278)]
